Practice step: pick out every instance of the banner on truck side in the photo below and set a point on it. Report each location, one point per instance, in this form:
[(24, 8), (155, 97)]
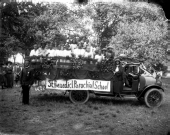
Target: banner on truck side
[(76, 84)]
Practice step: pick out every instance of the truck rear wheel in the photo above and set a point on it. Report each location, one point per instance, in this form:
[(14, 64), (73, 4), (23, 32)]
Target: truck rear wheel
[(79, 96), (153, 97)]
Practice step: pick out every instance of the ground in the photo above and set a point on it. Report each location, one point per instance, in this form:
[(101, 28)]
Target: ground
[(54, 114)]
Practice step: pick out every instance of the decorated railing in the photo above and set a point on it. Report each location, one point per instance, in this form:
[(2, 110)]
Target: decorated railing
[(49, 69), (72, 68), (63, 62)]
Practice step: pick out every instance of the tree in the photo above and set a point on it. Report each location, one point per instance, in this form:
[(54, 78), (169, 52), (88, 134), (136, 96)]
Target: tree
[(142, 29), (49, 24), (61, 21), (18, 22)]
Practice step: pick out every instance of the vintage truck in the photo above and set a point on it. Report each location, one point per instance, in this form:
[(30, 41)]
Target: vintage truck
[(80, 77)]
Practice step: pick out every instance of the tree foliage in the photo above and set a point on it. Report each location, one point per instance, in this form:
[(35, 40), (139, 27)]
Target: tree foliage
[(138, 27), (17, 24), (49, 24)]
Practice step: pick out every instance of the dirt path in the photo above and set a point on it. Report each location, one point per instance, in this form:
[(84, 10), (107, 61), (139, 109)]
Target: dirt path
[(52, 114)]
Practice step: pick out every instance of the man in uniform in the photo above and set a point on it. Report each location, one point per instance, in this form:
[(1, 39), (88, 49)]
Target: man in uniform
[(27, 79)]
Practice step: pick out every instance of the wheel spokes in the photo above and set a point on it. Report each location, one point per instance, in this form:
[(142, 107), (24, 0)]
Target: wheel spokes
[(79, 95), (154, 98)]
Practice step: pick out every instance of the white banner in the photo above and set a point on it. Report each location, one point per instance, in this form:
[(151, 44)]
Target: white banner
[(77, 84)]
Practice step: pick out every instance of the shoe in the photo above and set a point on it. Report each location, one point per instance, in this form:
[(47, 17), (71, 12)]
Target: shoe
[(25, 103)]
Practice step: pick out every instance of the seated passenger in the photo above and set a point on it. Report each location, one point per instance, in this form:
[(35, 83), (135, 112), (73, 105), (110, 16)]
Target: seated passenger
[(104, 53), (110, 48), (93, 48), (35, 51), (50, 51), (67, 51), (56, 51), (86, 42), (88, 53), (79, 51), (73, 45), (82, 49), (61, 51), (110, 54), (98, 56), (75, 52), (42, 50)]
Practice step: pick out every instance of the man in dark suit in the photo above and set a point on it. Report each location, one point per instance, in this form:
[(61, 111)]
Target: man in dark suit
[(27, 79)]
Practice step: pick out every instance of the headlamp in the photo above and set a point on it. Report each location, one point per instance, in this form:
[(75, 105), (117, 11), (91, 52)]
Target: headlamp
[(159, 82)]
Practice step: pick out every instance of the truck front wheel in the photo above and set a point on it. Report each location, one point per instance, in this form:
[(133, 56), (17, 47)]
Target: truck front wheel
[(79, 96), (153, 97)]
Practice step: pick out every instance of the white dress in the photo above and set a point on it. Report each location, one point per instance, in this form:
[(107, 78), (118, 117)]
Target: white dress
[(34, 52), (42, 52), (51, 52), (57, 52), (67, 53), (88, 54), (98, 58), (76, 52), (73, 46)]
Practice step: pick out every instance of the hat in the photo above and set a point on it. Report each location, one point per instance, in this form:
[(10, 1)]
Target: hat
[(109, 51), (104, 49), (122, 55), (110, 47), (117, 59)]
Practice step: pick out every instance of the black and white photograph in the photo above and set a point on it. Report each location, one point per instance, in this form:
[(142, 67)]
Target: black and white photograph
[(84, 67)]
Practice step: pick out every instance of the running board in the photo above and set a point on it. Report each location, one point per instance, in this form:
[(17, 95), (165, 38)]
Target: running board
[(104, 94), (127, 89)]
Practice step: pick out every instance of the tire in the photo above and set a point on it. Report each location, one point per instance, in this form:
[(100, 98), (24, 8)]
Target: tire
[(153, 97), (79, 96)]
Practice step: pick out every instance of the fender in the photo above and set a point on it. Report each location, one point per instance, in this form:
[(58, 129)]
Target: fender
[(149, 87)]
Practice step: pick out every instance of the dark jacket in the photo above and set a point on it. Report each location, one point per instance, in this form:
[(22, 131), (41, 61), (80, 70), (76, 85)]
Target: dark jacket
[(27, 76)]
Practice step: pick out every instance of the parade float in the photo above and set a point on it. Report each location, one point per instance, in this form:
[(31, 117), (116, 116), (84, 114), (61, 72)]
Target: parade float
[(81, 77)]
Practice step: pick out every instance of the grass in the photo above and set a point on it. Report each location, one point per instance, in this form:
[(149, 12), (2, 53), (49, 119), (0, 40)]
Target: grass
[(53, 114)]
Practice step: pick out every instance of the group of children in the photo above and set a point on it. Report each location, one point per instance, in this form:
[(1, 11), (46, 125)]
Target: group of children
[(79, 49)]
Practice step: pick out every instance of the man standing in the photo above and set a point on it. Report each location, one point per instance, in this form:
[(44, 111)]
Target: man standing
[(26, 80)]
